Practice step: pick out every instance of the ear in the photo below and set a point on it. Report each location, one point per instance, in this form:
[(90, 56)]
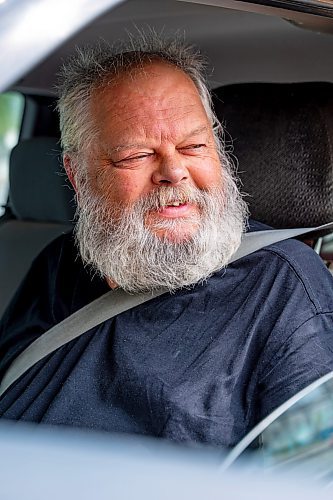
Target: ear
[(70, 168)]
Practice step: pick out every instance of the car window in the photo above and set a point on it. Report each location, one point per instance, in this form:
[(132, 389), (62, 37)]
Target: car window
[(11, 111), (297, 436)]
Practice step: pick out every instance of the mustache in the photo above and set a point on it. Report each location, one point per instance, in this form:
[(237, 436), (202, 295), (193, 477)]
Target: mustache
[(165, 195), (154, 201)]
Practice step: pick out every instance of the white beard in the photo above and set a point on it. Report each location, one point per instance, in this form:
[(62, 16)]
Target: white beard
[(116, 242)]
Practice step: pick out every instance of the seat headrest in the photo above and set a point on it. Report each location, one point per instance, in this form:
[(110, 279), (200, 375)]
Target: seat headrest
[(283, 139), (38, 187)]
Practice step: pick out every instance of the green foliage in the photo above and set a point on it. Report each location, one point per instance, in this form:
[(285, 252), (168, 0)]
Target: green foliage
[(10, 112)]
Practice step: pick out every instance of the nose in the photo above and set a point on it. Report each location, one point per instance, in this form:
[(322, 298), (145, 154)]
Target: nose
[(170, 170)]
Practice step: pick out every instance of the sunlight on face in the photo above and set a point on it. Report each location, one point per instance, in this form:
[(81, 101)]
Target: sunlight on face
[(156, 206), (153, 131)]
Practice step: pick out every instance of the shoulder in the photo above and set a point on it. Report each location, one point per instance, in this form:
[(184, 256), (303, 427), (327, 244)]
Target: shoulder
[(52, 274), (295, 291), (293, 266), (35, 298), (56, 285), (307, 268), (59, 279), (60, 251)]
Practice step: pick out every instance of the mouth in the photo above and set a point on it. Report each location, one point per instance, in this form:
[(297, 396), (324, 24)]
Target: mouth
[(177, 208), (175, 203), (175, 218)]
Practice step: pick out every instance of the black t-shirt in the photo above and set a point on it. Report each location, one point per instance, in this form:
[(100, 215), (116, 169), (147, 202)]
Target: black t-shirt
[(204, 364)]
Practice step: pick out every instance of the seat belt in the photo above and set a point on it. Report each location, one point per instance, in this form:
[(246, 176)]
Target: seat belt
[(118, 301), (251, 242)]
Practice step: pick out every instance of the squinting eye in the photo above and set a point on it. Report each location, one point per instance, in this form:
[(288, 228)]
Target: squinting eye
[(194, 146), (133, 158)]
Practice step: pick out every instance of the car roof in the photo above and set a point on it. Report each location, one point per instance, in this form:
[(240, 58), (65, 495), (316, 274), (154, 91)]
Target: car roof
[(266, 44)]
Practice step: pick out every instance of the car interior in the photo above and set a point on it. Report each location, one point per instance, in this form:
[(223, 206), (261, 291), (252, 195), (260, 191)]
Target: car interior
[(271, 74)]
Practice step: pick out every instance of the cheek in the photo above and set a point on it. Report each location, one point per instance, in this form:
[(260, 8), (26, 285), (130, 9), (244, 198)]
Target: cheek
[(208, 174), (122, 186)]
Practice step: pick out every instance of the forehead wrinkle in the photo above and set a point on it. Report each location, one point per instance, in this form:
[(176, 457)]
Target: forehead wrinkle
[(139, 135), (161, 116), (124, 146), (157, 113), (136, 119), (173, 121)]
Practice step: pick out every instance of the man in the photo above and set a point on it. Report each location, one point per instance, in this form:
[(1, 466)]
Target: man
[(158, 206)]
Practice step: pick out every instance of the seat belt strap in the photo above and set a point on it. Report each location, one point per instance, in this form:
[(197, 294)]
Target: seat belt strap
[(118, 301), (96, 312), (251, 242)]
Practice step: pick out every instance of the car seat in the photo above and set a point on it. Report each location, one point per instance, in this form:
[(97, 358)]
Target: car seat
[(41, 207), (282, 137)]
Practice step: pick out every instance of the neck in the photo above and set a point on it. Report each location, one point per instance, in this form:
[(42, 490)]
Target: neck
[(112, 284)]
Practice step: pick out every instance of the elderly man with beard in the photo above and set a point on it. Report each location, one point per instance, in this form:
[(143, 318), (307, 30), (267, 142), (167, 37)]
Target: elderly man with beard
[(158, 206)]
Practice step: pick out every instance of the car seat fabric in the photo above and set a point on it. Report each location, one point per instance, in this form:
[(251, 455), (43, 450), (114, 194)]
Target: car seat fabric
[(282, 137), (42, 206), (39, 189)]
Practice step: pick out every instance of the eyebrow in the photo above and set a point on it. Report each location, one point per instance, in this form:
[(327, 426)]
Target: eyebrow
[(197, 131), (123, 147)]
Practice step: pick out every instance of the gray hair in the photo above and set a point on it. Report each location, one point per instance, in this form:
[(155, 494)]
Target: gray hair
[(95, 67)]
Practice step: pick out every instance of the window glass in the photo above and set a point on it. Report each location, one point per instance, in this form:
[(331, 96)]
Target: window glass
[(301, 438), (11, 110)]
